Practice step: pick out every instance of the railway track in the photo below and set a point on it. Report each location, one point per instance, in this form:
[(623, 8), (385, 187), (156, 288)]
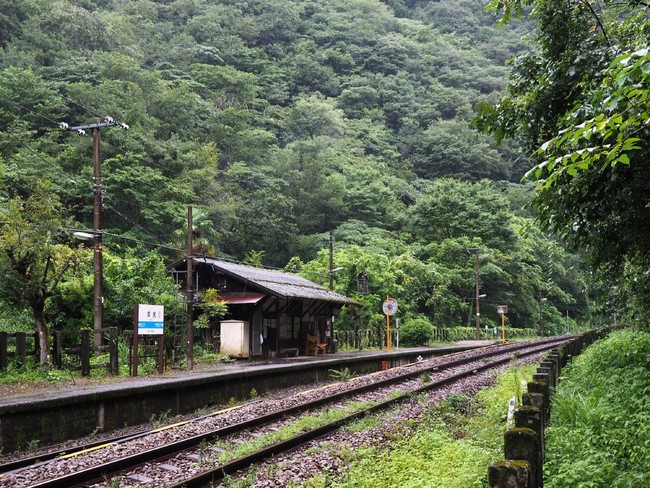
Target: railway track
[(158, 457)]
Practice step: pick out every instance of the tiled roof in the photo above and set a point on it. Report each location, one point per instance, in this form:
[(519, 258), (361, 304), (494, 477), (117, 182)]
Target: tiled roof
[(278, 283)]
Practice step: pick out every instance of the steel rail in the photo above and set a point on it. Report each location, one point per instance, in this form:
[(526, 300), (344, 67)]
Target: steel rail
[(94, 445), (219, 472), (110, 468), (44, 458)]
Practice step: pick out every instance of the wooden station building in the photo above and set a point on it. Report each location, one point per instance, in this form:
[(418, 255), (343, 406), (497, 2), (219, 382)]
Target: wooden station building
[(270, 313)]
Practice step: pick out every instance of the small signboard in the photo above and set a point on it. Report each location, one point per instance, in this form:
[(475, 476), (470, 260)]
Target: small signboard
[(151, 319), (502, 309)]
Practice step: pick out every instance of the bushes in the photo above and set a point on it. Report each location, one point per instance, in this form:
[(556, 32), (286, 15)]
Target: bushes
[(416, 332), (599, 433)]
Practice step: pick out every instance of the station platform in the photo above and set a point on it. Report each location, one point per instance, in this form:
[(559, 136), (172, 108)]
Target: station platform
[(65, 412)]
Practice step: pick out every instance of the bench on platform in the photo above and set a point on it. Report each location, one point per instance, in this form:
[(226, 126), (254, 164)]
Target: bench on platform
[(289, 352)]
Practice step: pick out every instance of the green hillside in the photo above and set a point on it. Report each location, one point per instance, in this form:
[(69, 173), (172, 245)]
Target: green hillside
[(279, 121)]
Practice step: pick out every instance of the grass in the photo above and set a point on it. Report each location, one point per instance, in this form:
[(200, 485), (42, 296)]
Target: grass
[(19, 378), (599, 434), (343, 375), (302, 424), (451, 448)]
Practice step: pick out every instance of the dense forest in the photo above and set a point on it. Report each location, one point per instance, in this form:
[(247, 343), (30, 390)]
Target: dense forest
[(280, 122)]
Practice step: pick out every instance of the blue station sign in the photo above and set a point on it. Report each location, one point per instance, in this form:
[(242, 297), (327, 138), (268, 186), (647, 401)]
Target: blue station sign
[(151, 319)]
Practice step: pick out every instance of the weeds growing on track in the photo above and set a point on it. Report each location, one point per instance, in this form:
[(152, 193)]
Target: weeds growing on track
[(452, 448)]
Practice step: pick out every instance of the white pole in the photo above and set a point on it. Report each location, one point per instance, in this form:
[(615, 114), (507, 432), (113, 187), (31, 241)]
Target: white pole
[(397, 333)]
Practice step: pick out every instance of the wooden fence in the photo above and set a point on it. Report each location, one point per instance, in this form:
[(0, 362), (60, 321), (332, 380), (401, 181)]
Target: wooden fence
[(376, 338), (71, 350), (14, 346), (73, 346), (524, 446)]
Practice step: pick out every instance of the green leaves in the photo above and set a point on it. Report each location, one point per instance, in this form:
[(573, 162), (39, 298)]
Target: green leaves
[(581, 105), (621, 109)]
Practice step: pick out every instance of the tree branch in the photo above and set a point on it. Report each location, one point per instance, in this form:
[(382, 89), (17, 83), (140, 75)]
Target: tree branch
[(600, 24)]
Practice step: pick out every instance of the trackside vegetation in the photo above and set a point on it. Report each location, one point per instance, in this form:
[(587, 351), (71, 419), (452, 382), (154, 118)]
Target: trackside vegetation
[(451, 448), (599, 434)]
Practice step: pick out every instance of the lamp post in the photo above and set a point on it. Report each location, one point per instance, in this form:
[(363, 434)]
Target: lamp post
[(477, 250), (541, 315)]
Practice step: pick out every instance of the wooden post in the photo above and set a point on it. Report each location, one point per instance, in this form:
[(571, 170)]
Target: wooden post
[(189, 293), (545, 370), (509, 474), (161, 354), (36, 350), (4, 355), (532, 418), (58, 351), (98, 266), (550, 366), (134, 369), (533, 400), (541, 387), (84, 353), (522, 444), (21, 349)]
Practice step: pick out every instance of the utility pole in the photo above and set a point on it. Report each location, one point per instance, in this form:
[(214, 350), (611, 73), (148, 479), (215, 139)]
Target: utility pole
[(477, 250), (331, 346), (98, 264), (189, 293), (331, 260)]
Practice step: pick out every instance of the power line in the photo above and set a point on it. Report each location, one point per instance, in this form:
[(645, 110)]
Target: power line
[(38, 155), (109, 121), (92, 111), (29, 110), (117, 236), (127, 219), (72, 230), (147, 161), (140, 241), (65, 126)]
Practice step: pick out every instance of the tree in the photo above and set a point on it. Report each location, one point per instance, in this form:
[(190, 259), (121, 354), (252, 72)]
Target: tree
[(33, 261), (213, 308), (581, 106), (416, 332), (311, 117), (451, 148), (12, 15), (452, 208), (204, 235)]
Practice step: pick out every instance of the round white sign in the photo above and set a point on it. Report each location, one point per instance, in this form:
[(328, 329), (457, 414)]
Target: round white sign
[(390, 306)]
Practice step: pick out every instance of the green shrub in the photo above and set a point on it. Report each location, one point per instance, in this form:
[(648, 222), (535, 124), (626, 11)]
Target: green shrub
[(416, 332), (599, 433)]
